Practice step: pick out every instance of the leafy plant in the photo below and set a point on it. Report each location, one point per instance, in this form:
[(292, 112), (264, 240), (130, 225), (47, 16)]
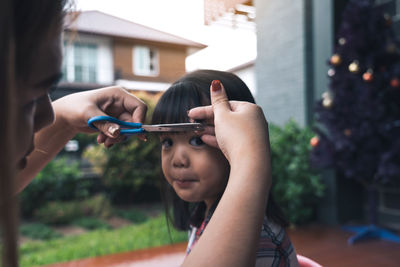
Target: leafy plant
[(58, 181), (59, 212), (91, 223), (296, 187), (38, 231), (133, 215)]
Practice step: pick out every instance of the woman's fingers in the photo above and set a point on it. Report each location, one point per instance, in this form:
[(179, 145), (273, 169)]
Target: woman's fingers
[(219, 99), (204, 113), (108, 142), (111, 141), (136, 107), (101, 138), (210, 140), (109, 129)]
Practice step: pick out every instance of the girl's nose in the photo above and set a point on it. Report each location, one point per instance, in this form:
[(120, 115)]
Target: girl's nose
[(181, 158)]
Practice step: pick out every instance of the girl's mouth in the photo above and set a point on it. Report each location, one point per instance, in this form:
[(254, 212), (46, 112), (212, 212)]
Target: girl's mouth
[(184, 183)]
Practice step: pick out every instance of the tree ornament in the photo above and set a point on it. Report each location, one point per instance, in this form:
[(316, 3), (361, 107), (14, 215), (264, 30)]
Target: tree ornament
[(347, 132), (331, 72), (354, 67), (391, 48), (368, 75), (314, 141), (342, 41), (336, 59), (388, 19), (326, 95), (395, 82), (327, 99), (327, 102)]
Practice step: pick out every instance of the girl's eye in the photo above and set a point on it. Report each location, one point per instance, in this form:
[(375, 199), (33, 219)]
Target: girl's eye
[(166, 143), (196, 141)]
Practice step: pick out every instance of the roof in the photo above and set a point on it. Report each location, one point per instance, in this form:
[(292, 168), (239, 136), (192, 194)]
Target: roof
[(104, 24)]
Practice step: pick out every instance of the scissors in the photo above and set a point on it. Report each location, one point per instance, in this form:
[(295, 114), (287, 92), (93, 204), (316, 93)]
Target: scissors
[(130, 128)]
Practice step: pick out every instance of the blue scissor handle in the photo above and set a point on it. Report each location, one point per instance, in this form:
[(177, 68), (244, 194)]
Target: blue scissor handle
[(126, 127)]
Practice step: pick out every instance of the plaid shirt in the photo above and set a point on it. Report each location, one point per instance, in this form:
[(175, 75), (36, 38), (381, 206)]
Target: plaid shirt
[(274, 249)]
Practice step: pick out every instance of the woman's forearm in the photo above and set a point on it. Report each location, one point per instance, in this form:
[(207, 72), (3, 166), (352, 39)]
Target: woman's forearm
[(232, 235)]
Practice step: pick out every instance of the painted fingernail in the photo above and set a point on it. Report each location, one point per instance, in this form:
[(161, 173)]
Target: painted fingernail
[(215, 85), (113, 130)]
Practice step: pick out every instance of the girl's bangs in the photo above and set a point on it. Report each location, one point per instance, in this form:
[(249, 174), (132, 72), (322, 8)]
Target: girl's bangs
[(177, 101)]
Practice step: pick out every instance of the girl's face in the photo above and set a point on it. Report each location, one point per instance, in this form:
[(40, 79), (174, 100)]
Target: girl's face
[(196, 171)]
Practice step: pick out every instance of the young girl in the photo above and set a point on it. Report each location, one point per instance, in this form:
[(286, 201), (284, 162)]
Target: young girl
[(196, 174)]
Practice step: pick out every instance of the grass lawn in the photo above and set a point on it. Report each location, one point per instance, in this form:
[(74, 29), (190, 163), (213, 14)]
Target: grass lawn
[(154, 232)]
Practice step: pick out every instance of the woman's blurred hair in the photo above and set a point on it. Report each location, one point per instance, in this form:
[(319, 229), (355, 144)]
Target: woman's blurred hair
[(24, 26)]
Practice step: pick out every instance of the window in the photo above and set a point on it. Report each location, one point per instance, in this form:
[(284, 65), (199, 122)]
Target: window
[(85, 62), (145, 61), (80, 63), (88, 59)]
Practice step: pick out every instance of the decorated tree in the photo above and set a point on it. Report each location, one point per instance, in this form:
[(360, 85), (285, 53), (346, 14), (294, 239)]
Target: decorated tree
[(358, 118)]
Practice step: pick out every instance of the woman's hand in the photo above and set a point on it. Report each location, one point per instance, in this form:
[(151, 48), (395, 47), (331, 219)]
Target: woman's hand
[(77, 109), (240, 127), (72, 113)]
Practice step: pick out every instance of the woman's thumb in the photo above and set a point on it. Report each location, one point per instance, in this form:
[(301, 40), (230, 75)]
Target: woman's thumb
[(219, 99)]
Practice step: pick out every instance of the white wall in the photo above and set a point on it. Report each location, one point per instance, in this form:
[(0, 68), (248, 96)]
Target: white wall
[(248, 76)]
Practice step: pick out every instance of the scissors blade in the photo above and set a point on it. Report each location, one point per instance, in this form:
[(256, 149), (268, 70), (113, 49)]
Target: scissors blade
[(173, 127)]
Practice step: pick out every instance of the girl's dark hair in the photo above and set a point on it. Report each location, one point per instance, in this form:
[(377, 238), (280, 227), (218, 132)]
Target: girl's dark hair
[(193, 90), (24, 26)]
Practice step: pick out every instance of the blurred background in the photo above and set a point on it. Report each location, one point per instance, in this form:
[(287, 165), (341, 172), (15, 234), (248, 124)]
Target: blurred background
[(281, 49)]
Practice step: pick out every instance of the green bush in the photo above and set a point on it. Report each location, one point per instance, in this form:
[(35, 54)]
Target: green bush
[(296, 187), (59, 212), (58, 181), (38, 231), (130, 170), (85, 140), (133, 215), (91, 223)]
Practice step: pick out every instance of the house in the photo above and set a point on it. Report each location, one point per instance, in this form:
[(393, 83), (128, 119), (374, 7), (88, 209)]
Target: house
[(103, 50)]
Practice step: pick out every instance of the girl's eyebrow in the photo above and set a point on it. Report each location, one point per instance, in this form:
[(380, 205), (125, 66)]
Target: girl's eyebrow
[(52, 80)]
